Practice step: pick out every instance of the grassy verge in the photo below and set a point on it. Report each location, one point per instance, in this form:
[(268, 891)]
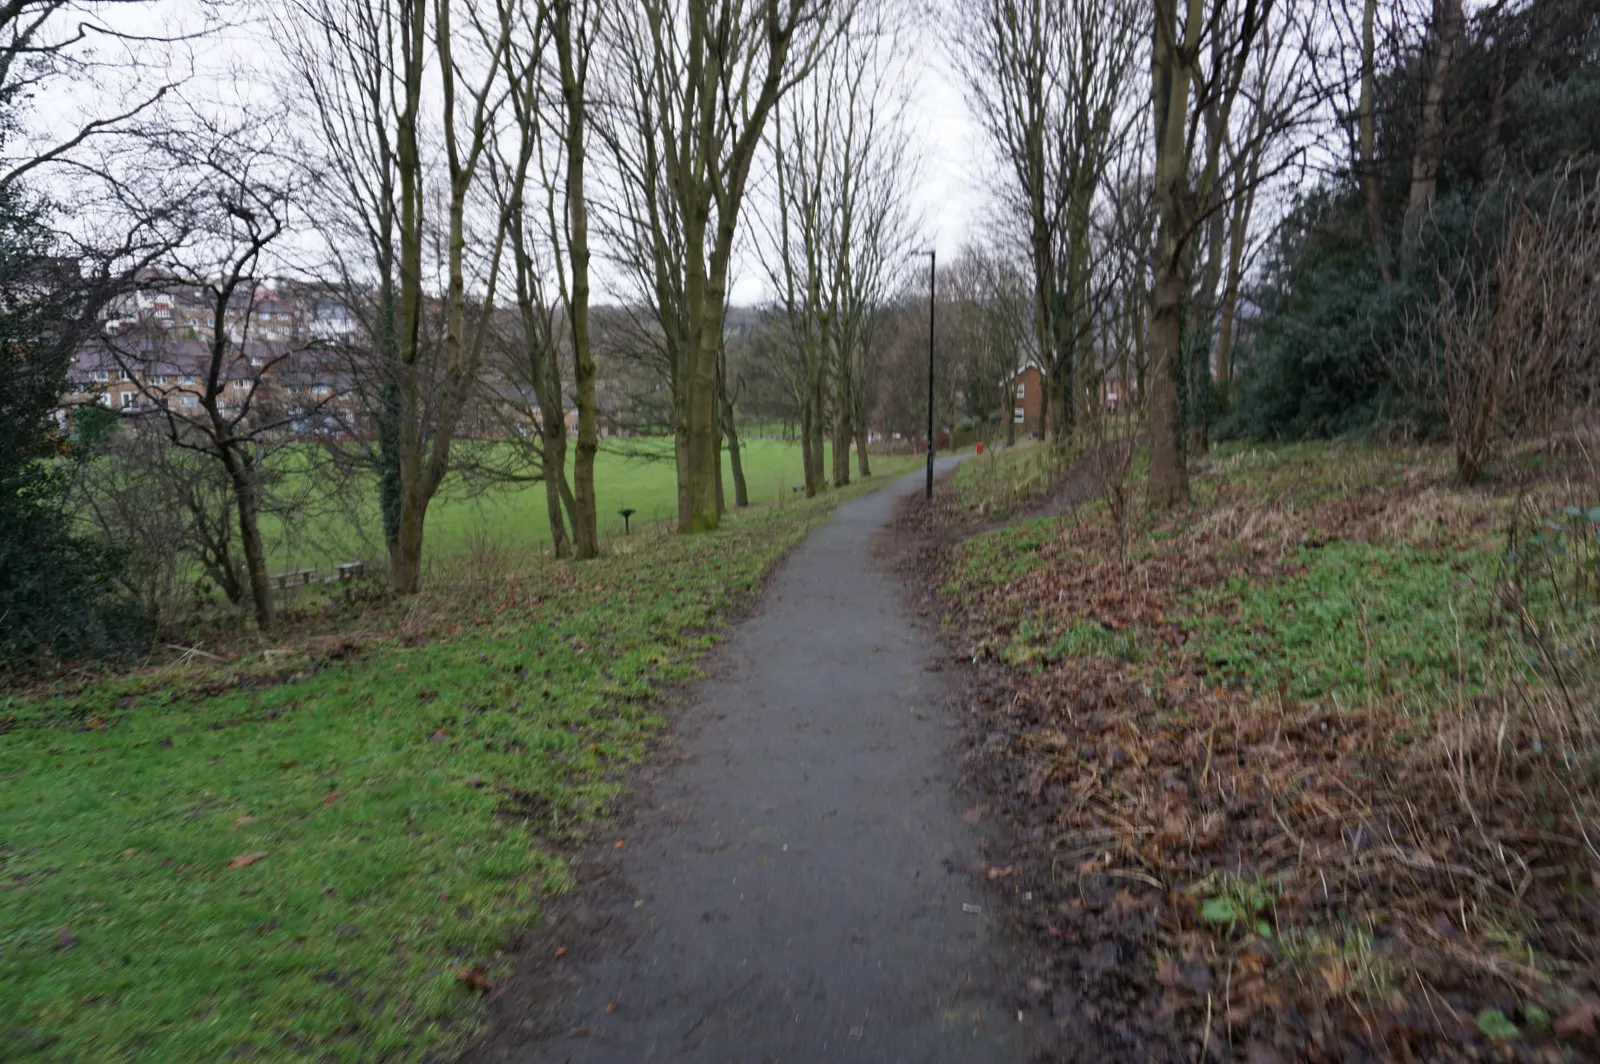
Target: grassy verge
[(297, 854), (1327, 740)]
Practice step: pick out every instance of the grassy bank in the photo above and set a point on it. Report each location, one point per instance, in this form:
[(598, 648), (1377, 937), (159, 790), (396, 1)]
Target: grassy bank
[(296, 853), (1318, 753)]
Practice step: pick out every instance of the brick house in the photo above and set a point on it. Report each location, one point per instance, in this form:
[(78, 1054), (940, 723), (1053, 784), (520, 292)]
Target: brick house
[(1028, 389)]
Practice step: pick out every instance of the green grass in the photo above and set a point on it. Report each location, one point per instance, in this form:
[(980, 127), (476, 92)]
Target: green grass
[(1355, 622), (1039, 641), (997, 481), (1006, 553), (412, 802), (637, 474)]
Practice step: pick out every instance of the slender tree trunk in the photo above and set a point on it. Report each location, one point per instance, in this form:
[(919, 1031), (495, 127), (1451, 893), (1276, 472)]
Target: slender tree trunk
[(730, 433), (842, 388), (863, 466), (1172, 66), (722, 499), (741, 490), (586, 527), (1430, 129), (1238, 234), (808, 432), (389, 411), (405, 551), (815, 390), (1044, 404), (1372, 195), (555, 462), (247, 501)]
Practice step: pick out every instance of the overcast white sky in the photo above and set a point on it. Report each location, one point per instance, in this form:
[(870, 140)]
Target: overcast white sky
[(948, 196)]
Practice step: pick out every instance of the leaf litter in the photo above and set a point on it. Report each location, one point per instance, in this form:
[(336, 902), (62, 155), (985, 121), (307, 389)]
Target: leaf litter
[(1220, 868)]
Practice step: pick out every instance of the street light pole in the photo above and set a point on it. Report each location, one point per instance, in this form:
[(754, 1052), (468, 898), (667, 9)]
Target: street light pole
[(933, 285)]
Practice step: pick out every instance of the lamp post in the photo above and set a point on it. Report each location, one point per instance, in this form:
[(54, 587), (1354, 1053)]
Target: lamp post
[(933, 282)]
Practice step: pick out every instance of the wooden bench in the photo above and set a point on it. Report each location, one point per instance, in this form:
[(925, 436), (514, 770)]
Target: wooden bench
[(298, 578)]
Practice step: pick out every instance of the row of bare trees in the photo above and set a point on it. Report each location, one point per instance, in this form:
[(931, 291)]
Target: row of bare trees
[(1135, 145), (442, 171), (838, 234)]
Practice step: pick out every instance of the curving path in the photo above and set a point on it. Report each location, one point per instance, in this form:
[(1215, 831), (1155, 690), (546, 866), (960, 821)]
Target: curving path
[(795, 887)]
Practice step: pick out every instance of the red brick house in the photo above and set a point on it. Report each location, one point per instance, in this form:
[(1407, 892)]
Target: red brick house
[(1028, 389)]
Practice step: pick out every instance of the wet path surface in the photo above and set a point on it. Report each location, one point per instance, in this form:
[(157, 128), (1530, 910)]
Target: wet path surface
[(796, 887)]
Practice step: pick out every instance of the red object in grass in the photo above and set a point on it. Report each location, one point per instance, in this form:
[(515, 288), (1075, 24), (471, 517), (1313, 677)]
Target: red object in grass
[(980, 446)]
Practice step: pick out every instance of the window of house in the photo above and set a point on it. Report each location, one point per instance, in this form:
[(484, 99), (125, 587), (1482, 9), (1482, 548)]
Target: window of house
[(158, 379), (1019, 415), (186, 379), (257, 361), (241, 383), (321, 391), (189, 400), (130, 400)]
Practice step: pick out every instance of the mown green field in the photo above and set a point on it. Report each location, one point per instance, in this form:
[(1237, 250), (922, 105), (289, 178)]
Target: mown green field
[(636, 474)]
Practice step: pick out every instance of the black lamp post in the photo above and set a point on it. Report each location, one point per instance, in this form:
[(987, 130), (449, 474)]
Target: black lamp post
[(933, 283)]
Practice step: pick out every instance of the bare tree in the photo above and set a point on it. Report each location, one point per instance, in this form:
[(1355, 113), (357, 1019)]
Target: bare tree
[(339, 59), (229, 395), (1050, 83), (1204, 56), (1444, 31), (1515, 345), (550, 255), (466, 124), (695, 83)]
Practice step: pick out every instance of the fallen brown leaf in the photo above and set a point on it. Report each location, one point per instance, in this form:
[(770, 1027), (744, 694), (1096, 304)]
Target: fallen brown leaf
[(245, 860), (1337, 975), (333, 796), (1579, 1020), (475, 978), (242, 821)]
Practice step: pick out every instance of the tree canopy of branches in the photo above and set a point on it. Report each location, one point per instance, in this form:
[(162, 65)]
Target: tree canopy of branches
[(694, 83), (838, 234)]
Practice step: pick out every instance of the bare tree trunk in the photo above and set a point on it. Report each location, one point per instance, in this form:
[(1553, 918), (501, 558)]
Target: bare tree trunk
[(741, 490), (242, 473), (1172, 68), (722, 498), (816, 478), (842, 388), (574, 85), (552, 505), (1429, 148), (730, 433), (863, 467), (1238, 233), (1372, 195), (1010, 412), (808, 433)]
